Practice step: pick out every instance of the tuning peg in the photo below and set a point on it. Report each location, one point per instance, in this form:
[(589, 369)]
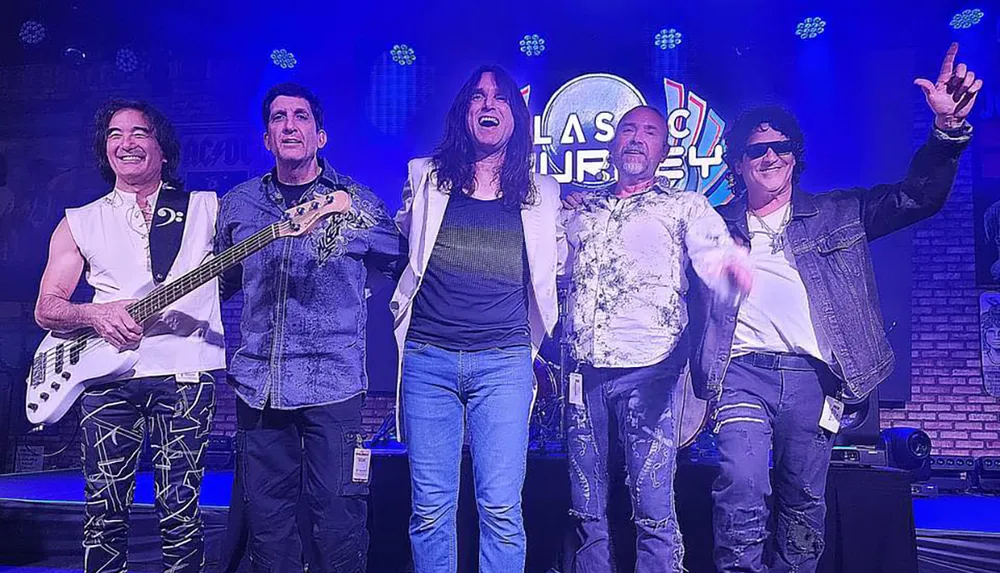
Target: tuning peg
[(315, 205), (33, 407), (300, 211)]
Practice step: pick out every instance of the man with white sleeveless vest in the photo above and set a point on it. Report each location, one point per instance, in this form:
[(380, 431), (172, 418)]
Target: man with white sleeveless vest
[(127, 252)]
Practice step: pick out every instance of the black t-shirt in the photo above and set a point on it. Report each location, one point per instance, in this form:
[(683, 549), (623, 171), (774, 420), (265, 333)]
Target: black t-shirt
[(292, 194), (474, 294)]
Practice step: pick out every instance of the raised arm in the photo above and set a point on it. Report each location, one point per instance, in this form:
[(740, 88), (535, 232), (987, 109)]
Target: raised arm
[(924, 190)]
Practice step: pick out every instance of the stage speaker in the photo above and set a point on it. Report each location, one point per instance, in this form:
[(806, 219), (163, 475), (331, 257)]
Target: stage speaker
[(988, 473), (859, 425), (952, 473)]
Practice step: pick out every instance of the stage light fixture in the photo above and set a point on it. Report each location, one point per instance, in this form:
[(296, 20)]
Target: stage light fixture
[(810, 28), (126, 60), (403, 54), (32, 32), (907, 448), (966, 18), (532, 45), (283, 59), (668, 39)]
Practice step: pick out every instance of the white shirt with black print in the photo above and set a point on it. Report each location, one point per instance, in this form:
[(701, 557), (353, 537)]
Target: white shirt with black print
[(628, 263)]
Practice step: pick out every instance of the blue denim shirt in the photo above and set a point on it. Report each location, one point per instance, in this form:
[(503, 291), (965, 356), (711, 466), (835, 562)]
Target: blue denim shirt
[(828, 234), (304, 312)]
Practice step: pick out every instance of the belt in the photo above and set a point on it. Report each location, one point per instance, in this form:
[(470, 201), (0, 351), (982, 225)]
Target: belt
[(780, 361)]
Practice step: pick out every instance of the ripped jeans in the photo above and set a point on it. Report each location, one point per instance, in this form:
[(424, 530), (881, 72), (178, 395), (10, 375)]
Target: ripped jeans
[(627, 413), (771, 402)]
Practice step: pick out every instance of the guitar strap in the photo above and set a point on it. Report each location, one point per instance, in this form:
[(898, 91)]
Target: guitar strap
[(167, 230)]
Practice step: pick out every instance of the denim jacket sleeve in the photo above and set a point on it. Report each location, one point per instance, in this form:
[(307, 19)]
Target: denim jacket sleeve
[(890, 207), (231, 281)]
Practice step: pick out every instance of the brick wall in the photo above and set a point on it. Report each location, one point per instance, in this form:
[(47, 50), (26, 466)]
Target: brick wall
[(948, 398)]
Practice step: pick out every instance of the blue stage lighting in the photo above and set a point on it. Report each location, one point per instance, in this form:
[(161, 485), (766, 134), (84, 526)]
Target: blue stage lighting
[(532, 45), (283, 59), (668, 39), (403, 54), (126, 60), (32, 32), (966, 18), (810, 28)]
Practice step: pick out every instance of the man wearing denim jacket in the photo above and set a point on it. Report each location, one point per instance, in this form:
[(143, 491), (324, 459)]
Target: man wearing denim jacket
[(300, 370), (778, 364)]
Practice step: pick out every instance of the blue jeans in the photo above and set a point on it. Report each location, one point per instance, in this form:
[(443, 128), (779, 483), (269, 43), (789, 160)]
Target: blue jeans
[(771, 402), (490, 392), (628, 412)]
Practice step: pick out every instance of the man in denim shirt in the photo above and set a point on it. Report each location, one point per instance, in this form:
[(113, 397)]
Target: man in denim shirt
[(300, 369), (809, 334)]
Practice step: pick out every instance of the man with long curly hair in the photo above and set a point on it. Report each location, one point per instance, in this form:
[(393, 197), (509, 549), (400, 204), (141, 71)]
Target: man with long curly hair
[(810, 335), (142, 233), (472, 307)]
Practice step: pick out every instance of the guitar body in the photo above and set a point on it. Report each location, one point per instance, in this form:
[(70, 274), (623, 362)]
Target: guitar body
[(691, 411), (64, 366)]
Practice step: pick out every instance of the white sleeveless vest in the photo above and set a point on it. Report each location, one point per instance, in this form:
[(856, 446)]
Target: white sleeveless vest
[(113, 238)]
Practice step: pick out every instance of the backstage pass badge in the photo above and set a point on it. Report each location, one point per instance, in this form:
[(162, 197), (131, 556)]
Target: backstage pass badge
[(362, 465), (833, 409), (576, 389)]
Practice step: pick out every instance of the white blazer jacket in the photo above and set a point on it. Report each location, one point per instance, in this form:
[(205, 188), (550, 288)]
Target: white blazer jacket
[(419, 220)]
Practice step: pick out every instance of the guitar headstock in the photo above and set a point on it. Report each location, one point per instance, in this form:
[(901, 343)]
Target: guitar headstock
[(304, 217)]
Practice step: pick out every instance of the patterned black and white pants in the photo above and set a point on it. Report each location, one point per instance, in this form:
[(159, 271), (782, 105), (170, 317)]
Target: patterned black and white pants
[(115, 418)]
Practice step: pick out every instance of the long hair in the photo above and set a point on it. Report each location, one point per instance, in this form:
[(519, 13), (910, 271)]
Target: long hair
[(163, 132), (779, 119), (455, 156)]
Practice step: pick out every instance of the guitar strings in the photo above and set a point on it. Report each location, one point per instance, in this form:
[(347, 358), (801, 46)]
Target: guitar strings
[(271, 232), (257, 240)]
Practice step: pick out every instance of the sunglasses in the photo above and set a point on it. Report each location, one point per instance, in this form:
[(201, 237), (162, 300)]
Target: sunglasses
[(758, 150)]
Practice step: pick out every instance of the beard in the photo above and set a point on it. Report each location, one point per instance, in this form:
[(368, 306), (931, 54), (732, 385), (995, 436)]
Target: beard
[(633, 164)]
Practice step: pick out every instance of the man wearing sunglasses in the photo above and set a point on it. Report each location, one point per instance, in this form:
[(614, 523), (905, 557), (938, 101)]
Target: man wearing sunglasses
[(779, 364)]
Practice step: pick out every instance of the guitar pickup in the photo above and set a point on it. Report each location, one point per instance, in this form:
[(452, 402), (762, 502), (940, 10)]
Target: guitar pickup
[(59, 352)]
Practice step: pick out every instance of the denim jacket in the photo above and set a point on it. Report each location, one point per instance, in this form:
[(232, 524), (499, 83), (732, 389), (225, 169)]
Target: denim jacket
[(828, 234), (304, 312)]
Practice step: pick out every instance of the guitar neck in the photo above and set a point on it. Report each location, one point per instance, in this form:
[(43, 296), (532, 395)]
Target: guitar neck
[(164, 295)]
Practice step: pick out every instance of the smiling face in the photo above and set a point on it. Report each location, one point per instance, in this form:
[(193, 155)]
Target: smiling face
[(639, 145), (292, 133), (767, 165), (489, 118), (133, 152)]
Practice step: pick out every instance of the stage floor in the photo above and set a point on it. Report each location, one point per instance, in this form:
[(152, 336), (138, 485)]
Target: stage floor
[(967, 526)]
